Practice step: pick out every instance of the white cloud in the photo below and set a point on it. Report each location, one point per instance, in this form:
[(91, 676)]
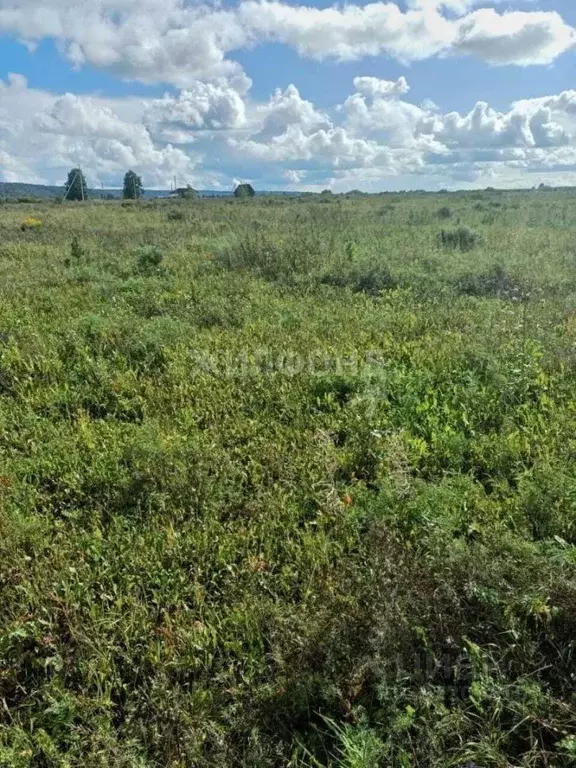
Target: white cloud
[(349, 32), (375, 139), (213, 106), (82, 116), (518, 37), (372, 86), (564, 102), (294, 177), (392, 120), (42, 136), (287, 108), (172, 41), (178, 42), (485, 127)]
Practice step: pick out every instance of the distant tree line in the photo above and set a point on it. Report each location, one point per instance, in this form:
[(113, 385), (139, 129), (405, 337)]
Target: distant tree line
[(76, 188)]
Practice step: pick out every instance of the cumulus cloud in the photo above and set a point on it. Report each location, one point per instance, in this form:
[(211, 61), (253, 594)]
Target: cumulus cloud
[(42, 135), (349, 32), (213, 106), (372, 86), (178, 42), (394, 121), (517, 37), (331, 146), (171, 41), (82, 116), (209, 133), (287, 108), (485, 127), (352, 32)]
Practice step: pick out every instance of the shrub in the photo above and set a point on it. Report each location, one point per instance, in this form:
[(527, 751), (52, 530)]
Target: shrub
[(369, 280), (462, 238), (150, 258), (444, 212), (494, 282), (175, 216), (267, 258), (76, 250)]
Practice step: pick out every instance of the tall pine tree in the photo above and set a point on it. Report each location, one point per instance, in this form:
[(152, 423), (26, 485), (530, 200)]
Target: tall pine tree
[(75, 186)]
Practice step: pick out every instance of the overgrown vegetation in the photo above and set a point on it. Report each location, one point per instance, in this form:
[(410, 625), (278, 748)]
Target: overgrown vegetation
[(288, 483)]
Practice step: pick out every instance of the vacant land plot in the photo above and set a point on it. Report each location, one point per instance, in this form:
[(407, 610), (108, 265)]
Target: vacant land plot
[(288, 482)]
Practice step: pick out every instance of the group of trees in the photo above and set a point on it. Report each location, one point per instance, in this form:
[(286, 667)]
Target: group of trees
[(187, 193), (244, 190), (77, 189)]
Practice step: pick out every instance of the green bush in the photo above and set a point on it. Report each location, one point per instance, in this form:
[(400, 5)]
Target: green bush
[(462, 238), (372, 280), (494, 282), (149, 260)]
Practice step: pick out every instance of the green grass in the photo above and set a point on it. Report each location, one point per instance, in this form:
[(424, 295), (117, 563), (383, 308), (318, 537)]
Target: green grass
[(289, 483)]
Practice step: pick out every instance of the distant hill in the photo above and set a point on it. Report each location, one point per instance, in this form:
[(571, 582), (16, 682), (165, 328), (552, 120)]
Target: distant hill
[(16, 190), (11, 190)]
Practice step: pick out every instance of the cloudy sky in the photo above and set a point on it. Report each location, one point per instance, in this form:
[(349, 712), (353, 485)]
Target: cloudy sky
[(399, 94)]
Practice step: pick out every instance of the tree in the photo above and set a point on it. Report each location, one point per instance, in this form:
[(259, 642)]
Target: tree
[(132, 186), (187, 193), (244, 190), (75, 186)]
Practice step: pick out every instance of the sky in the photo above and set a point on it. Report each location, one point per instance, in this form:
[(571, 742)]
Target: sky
[(392, 95)]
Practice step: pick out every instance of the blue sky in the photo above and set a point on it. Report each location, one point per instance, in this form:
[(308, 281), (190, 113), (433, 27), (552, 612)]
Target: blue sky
[(381, 95)]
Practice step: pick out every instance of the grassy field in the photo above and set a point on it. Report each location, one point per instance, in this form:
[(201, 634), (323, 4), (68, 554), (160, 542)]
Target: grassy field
[(289, 482)]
